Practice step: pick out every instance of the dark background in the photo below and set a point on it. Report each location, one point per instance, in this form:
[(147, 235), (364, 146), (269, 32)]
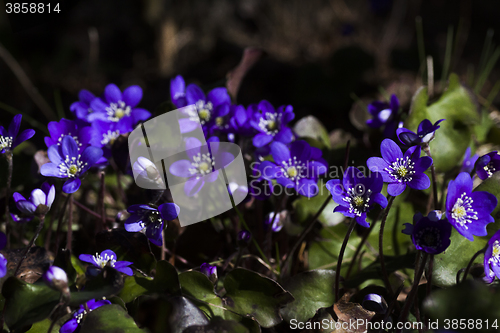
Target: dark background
[(319, 53)]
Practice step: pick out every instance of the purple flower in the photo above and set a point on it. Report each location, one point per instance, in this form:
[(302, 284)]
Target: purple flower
[(210, 271), (82, 109), (357, 194), (469, 161), (68, 163), (65, 127), (488, 164), (384, 114), (205, 107), (119, 108), (296, 167), (274, 221), (374, 302), (224, 120), (3, 265), (56, 278), (492, 258), (73, 324), (178, 91), (108, 257), (469, 212), (242, 118), (201, 165), (424, 135), (238, 192), (271, 124), (39, 202), (147, 173), (244, 236), (151, 218), (400, 170), (9, 139), (105, 134), (429, 234)]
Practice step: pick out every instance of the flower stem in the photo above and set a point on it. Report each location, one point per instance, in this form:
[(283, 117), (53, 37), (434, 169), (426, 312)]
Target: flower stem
[(341, 257), (428, 275), (30, 245), (467, 269), (411, 296), (69, 238), (59, 223), (10, 162), (381, 246), (427, 150), (101, 207)]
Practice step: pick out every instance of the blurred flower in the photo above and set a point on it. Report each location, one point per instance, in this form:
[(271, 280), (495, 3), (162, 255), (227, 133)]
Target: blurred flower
[(39, 202), (82, 109), (469, 212), (151, 218), (73, 324), (469, 161), (107, 257), (400, 170), (104, 135), (357, 194), (384, 114), (274, 221), (68, 163), (425, 133), (9, 139), (3, 265), (239, 192), (374, 302), (119, 108), (271, 124), (65, 127), (210, 271), (429, 234), (492, 258), (56, 279), (147, 172), (296, 167), (488, 164), (224, 120), (244, 236), (200, 165), (242, 120), (178, 91)]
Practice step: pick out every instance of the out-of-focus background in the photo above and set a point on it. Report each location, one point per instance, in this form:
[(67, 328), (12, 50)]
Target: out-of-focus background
[(319, 54)]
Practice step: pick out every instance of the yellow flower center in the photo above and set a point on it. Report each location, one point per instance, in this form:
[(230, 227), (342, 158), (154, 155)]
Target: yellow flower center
[(496, 250), (292, 171), (459, 211), (358, 201), (204, 114), (271, 125), (219, 121), (119, 113), (73, 169), (204, 166), (402, 171)]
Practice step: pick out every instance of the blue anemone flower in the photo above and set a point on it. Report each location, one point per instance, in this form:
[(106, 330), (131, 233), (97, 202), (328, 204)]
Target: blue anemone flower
[(469, 161), (469, 212), (271, 124), (82, 109), (178, 91), (492, 258), (297, 167), (151, 218), (39, 197), (357, 194), (488, 164), (68, 163), (400, 170), (65, 127), (384, 114), (119, 107), (430, 234), (424, 135), (73, 324), (107, 257), (9, 139)]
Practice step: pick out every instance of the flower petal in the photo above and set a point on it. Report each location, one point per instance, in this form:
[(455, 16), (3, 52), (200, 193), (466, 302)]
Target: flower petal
[(181, 168), (132, 96), (261, 139), (38, 197), (72, 185), (280, 152), (396, 189), (112, 93), (26, 207), (194, 94), (390, 151), (51, 170), (169, 211), (14, 125), (420, 181)]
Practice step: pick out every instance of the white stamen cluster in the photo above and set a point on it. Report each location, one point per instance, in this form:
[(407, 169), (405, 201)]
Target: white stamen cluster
[(402, 169), (270, 123), (429, 237), (462, 211), (490, 169), (202, 164), (59, 141), (359, 202), (155, 219), (103, 261), (292, 169), (203, 112), (71, 167), (110, 136), (495, 254), (221, 122), (117, 111), (5, 142)]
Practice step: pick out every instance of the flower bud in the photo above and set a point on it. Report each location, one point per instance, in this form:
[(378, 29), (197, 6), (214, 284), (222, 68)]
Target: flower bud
[(210, 271), (57, 279), (244, 237), (374, 302)]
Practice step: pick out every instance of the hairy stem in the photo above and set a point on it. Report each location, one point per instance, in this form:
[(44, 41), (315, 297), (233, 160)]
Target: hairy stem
[(467, 269), (381, 246), (69, 238), (30, 245), (10, 162), (341, 257)]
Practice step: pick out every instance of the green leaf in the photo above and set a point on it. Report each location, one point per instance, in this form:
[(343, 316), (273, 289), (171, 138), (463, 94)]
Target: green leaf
[(454, 258), (251, 294), (197, 285), (471, 299), (218, 325), (312, 291), (131, 289), (165, 280), (108, 318), (458, 106), (311, 127)]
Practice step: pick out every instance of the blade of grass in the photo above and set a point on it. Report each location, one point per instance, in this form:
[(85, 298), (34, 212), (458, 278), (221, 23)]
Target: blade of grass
[(421, 46), (30, 120), (447, 56), (59, 103), (485, 53), (470, 75), (487, 70), (493, 93)]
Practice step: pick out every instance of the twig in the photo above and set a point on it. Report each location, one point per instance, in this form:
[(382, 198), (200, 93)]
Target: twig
[(10, 162), (30, 245), (69, 238), (467, 269), (341, 256), (381, 246)]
